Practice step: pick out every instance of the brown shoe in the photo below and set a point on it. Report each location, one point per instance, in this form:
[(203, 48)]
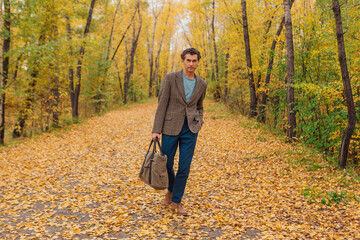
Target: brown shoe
[(177, 207), (167, 199)]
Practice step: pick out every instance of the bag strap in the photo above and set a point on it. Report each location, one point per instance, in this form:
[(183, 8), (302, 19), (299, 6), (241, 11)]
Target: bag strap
[(154, 148), (158, 143), (150, 145)]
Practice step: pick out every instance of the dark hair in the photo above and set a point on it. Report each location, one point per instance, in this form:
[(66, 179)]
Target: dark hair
[(191, 51)]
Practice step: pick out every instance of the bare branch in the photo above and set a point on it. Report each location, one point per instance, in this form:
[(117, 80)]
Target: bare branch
[(122, 38), (112, 30)]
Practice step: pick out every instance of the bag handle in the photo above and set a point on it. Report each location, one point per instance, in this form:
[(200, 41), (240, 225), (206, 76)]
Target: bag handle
[(156, 141), (150, 145), (154, 148)]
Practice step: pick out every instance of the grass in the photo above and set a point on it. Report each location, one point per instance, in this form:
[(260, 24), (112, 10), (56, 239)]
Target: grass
[(334, 197), (216, 107), (326, 197), (310, 193), (314, 166)]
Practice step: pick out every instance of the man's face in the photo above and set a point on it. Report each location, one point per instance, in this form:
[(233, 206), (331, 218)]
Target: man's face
[(190, 62)]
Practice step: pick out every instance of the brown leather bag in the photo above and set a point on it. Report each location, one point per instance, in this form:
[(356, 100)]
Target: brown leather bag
[(153, 171)]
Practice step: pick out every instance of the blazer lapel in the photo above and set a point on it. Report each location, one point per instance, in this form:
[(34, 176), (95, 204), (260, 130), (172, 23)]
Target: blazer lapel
[(197, 90), (180, 84)]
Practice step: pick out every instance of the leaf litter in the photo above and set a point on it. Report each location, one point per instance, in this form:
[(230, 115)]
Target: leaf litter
[(245, 183)]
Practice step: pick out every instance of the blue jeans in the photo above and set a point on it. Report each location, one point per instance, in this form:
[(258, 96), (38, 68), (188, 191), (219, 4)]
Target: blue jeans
[(186, 141)]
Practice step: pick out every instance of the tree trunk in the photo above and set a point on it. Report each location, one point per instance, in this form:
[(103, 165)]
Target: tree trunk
[(71, 70), (264, 94), (151, 58), (290, 99), (16, 71), (123, 36), (261, 62), (208, 44), (347, 87), (76, 91), (30, 93), (151, 49), (120, 85), (253, 99), (130, 70), (56, 93), (126, 66), (157, 58), (226, 88), (24, 112), (216, 77), (5, 68), (55, 85), (112, 31), (17, 64)]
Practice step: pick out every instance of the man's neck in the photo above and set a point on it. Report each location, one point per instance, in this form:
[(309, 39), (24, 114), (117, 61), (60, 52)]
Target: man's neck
[(190, 75)]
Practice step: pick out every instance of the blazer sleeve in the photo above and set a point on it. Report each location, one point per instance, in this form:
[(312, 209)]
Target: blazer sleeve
[(163, 102), (200, 105)]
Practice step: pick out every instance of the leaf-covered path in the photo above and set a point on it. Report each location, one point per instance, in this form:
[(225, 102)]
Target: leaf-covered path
[(244, 184)]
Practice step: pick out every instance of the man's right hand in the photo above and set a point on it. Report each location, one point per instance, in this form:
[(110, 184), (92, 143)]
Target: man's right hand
[(155, 135)]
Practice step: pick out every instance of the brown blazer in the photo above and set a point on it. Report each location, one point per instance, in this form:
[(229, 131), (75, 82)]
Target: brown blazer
[(172, 107)]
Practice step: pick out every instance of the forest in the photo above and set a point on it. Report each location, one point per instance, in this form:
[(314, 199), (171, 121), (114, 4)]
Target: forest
[(293, 65)]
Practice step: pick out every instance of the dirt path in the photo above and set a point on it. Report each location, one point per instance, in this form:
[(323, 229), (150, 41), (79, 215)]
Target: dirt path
[(244, 184)]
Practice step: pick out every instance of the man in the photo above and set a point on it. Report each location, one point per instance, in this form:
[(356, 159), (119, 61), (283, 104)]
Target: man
[(179, 118)]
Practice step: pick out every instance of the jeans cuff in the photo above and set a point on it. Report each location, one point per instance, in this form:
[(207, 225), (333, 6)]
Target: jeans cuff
[(175, 200)]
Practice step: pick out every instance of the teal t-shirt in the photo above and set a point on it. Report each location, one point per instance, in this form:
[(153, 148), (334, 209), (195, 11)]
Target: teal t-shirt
[(189, 85)]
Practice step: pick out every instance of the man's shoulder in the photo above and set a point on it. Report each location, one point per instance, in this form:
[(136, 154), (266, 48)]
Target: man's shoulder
[(172, 75), (200, 79)]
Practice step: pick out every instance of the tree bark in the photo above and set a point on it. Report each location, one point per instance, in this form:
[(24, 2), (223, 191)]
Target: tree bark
[(112, 31), (56, 94), (290, 98), (130, 70), (123, 36), (16, 71), (71, 70), (5, 67), (216, 77), (226, 87), (157, 58), (151, 49), (208, 43), (253, 100), (76, 89), (29, 100), (55, 84), (119, 78), (261, 61), (264, 94), (347, 87)]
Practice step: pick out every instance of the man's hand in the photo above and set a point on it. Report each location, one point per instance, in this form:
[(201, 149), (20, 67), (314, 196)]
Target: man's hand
[(155, 135)]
